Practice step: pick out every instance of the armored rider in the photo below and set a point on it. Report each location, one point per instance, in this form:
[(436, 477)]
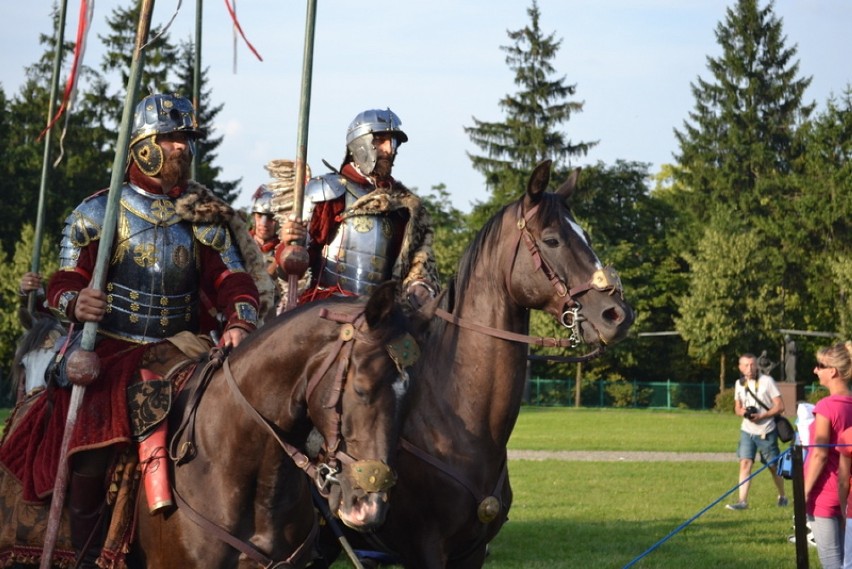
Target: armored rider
[(175, 258), (363, 227), (264, 231)]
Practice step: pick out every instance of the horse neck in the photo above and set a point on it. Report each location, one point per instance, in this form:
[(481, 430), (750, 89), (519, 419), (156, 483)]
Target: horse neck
[(480, 384)]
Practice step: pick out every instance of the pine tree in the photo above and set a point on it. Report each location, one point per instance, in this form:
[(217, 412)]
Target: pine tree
[(206, 114), (530, 132), (741, 138), (160, 58)]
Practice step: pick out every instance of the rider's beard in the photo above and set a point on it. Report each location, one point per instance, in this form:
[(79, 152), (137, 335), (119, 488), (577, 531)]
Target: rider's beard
[(176, 169), (383, 167)]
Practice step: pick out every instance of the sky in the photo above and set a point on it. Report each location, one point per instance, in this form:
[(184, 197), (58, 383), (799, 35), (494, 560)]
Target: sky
[(438, 64)]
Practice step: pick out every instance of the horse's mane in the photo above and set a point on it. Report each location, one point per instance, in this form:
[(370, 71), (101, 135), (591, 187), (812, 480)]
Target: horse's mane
[(33, 339), (489, 235)]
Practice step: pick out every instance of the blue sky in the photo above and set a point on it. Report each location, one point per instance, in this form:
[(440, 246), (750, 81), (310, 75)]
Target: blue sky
[(437, 64)]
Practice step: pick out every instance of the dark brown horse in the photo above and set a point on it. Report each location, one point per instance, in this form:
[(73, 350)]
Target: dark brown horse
[(337, 366), (241, 499), (453, 492)]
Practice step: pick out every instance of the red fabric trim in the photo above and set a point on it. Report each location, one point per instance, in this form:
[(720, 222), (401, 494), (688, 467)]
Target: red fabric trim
[(222, 276)]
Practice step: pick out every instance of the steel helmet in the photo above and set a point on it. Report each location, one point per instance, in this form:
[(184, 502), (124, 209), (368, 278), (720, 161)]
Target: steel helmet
[(262, 200), (160, 114), (359, 136)]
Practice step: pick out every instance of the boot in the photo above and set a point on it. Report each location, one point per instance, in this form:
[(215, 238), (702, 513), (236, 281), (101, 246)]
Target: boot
[(86, 512), (153, 460)]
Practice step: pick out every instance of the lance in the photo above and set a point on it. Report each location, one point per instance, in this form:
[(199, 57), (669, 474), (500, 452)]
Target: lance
[(293, 258), (83, 365), (196, 78), (35, 266)]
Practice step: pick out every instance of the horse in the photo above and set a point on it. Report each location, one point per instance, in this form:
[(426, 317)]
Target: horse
[(239, 430), (453, 492)]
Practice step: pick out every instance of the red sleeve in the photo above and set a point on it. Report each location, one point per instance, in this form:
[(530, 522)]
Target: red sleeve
[(72, 280), (233, 293)]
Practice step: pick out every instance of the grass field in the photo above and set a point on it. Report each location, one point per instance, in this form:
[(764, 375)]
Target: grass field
[(604, 515)]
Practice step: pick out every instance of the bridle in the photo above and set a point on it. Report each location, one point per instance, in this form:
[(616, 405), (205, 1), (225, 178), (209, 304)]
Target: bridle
[(368, 475), (605, 279)]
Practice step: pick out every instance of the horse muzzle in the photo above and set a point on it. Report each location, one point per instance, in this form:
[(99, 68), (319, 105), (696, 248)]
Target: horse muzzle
[(364, 487)]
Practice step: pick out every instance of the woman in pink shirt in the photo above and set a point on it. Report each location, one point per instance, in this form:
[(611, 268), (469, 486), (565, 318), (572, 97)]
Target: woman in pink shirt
[(832, 416)]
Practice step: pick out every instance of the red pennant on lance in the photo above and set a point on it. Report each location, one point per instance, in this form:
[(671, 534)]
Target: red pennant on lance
[(79, 48), (233, 14)]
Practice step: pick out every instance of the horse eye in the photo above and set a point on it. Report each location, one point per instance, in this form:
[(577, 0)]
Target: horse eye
[(551, 242)]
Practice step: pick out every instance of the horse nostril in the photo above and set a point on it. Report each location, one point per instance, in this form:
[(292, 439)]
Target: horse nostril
[(615, 315)]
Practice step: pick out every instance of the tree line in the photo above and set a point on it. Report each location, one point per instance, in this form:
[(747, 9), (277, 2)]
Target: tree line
[(745, 233)]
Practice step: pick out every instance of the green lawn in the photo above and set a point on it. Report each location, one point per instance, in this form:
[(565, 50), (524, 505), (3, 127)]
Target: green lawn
[(604, 515)]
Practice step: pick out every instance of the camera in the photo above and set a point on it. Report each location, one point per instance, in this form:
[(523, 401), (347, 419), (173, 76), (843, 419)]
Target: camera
[(750, 412)]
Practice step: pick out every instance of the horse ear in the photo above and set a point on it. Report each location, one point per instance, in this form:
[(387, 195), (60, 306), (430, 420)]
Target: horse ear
[(566, 190), (538, 181), (381, 303)]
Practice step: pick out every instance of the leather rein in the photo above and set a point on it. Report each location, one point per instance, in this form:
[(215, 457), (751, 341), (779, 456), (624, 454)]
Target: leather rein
[(603, 279), (321, 474)]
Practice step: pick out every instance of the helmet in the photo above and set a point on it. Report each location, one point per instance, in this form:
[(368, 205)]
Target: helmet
[(262, 200), (160, 114), (359, 136)]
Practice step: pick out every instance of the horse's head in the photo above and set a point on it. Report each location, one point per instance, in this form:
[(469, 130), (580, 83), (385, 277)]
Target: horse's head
[(369, 401), (555, 269)]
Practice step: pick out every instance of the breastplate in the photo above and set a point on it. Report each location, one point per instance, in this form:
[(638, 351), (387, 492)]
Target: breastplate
[(363, 252), (152, 281)]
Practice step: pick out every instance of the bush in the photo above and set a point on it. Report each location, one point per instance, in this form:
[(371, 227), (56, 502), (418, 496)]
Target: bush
[(818, 393), (724, 401), (623, 394)]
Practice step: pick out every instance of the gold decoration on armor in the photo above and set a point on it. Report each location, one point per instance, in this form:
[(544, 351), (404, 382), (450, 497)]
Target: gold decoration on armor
[(144, 254), (122, 238), (163, 210), (134, 318), (164, 322), (362, 223), (214, 235), (164, 301), (181, 257), (134, 307), (83, 230)]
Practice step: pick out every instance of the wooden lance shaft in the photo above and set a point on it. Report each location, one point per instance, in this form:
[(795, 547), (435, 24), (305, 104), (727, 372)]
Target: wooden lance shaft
[(83, 365), (293, 257), (35, 266)]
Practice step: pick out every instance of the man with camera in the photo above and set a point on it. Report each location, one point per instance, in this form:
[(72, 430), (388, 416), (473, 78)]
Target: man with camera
[(757, 400)]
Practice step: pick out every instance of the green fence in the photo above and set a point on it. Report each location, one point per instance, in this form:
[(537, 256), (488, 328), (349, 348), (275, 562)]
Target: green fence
[(640, 394), (546, 392)]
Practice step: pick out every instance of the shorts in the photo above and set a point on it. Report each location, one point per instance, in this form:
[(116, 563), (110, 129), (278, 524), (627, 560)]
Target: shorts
[(751, 444)]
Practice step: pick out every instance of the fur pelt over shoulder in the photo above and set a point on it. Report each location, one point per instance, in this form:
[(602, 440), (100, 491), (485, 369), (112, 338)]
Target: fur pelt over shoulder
[(200, 205)]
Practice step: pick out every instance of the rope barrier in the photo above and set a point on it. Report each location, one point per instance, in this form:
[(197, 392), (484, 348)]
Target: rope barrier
[(684, 525)]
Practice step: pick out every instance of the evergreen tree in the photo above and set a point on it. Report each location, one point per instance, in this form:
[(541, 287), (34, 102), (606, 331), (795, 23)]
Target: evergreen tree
[(84, 167), (821, 231), (530, 132), (160, 58), (742, 133), (206, 113), (738, 156)]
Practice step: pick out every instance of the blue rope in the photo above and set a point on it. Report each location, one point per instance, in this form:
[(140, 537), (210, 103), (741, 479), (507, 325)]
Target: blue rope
[(683, 526)]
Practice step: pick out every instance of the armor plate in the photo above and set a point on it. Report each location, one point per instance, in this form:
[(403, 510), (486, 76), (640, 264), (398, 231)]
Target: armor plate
[(362, 254)]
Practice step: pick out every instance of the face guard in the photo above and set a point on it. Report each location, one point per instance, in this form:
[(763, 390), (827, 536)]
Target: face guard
[(359, 136), (160, 114)]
